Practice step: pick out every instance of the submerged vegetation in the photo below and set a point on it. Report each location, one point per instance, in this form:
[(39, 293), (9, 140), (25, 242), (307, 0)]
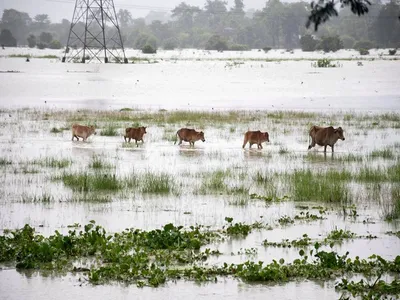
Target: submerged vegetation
[(154, 257)]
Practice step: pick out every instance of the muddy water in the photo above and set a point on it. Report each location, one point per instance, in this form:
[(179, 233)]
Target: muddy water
[(23, 140)]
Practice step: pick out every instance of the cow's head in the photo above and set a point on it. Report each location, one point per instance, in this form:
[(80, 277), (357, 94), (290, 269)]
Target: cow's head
[(201, 136), (143, 129), (92, 130), (339, 132), (266, 136)]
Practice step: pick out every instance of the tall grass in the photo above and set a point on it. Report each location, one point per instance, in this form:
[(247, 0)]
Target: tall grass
[(97, 163), (85, 182), (309, 186), (157, 183), (52, 162), (394, 210), (4, 162), (109, 130), (385, 153)]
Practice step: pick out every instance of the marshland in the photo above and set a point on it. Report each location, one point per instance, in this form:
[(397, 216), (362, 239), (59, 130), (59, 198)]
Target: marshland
[(106, 217)]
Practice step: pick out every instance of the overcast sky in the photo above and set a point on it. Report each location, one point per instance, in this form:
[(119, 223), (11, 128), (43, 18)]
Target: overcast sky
[(63, 9)]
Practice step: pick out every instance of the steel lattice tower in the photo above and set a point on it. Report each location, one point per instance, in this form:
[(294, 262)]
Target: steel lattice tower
[(94, 34)]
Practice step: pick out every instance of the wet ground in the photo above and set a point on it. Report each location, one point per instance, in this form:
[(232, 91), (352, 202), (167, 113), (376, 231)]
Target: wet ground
[(351, 96)]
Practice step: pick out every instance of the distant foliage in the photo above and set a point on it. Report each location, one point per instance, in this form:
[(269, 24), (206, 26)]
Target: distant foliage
[(364, 45), (348, 42), (216, 42), (145, 39), (266, 49), (170, 44), (45, 37), (41, 45), (308, 43), (238, 47), (148, 49), (7, 39), (31, 41), (55, 44), (330, 43), (392, 51), (363, 51)]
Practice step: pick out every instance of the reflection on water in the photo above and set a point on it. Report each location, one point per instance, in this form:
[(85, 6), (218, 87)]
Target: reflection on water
[(15, 285)]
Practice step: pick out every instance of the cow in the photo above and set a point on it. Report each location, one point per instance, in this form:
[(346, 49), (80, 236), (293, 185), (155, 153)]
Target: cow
[(135, 133), (189, 135), (325, 136), (82, 131), (255, 137)]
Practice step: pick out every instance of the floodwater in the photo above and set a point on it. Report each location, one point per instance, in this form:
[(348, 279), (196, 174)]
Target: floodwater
[(48, 85)]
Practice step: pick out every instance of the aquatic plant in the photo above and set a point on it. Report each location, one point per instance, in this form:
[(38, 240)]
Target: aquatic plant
[(109, 130)]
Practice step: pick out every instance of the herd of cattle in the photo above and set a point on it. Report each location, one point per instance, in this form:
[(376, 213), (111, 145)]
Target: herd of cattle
[(322, 136)]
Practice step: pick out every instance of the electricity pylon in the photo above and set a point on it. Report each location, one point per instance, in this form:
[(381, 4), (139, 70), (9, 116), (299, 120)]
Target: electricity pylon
[(94, 34)]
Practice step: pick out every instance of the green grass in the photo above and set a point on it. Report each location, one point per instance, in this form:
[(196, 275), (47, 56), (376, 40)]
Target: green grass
[(394, 210), (97, 163), (91, 197), (161, 183), (385, 153), (214, 182), (84, 182), (4, 162), (52, 162), (109, 130), (329, 186)]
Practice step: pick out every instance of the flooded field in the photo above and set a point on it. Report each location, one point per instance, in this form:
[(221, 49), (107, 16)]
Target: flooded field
[(298, 211)]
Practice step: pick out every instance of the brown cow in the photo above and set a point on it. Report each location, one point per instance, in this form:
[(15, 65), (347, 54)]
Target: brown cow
[(135, 133), (325, 136), (189, 135), (255, 137), (82, 131)]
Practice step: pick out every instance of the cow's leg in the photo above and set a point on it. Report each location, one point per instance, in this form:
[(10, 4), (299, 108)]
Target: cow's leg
[(73, 137), (312, 143), (244, 142), (250, 144), (137, 145), (125, 138), (325, 148), (332, 147), (180, 141), (129, 139)]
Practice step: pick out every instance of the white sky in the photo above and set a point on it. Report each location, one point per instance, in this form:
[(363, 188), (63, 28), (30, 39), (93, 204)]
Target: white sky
[(59, 9)]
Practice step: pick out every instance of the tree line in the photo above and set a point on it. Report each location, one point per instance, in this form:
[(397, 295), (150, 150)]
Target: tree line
[(217, 26)]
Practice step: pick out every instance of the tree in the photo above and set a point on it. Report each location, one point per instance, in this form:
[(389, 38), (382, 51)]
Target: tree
[(125, 18), (7, 39), (185, 14), (323, 10), (387, 27), (308, 43), (330, 43), (238, 9), (17, 22), (46, 37), (31, 41), (216, 42), (42, 19)]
